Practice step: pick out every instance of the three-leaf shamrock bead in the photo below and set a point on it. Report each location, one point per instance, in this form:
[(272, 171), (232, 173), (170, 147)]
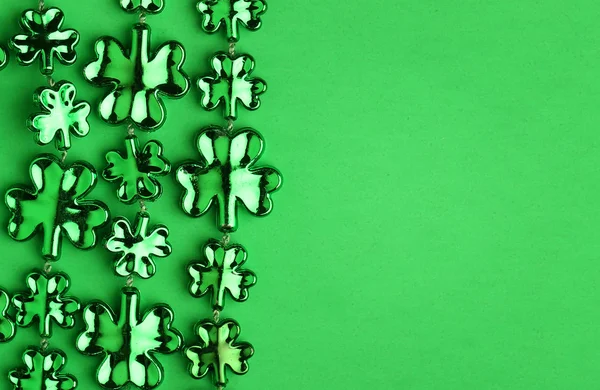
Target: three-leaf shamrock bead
[(231, 83), (219, 271), (61, 117), (226, 175), (129, 342), (42, 371), (55, 207), (137, 78), (217, 350), (230, 13), (43, 38), (7, 325)]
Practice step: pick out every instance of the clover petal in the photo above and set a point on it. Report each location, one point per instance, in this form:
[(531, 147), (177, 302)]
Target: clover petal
[(147, 6), (225, 175), (46, 302), (54, 206), (137, 170), (136, 250), (137, 78), (231, 83), (127, 342), (61, 117), (221, 270), (230, 13), (43, 38), (3, 57), (7, 325), (42, 371), (217, 350)]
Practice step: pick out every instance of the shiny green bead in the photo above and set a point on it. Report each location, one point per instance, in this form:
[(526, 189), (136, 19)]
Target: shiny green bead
[(43, 38), (137, 170), (61, 116), (147, 6), (54, 206), (231, 83), (128, 342), (228, 13), (42, 371), (137, 247), (218, 349), (226, 175), (137, 78), (46, 302), (221, 270), (3, 57), (7, 325)]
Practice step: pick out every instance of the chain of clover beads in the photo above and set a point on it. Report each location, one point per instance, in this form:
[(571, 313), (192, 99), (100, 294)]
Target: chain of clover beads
[(225, 176)]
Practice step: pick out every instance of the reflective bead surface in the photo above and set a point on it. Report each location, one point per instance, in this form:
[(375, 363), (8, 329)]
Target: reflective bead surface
[(42, 371), (147, 6), (230, 14), (226, 177), (44, 39), (7, 325), (55, 206)]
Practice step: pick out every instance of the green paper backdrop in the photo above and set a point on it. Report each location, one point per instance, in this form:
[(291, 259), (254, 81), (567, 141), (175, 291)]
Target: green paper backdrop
[(438, 225)]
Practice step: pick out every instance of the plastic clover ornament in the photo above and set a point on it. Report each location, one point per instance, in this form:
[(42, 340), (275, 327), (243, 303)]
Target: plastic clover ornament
[(137, 78), (136, 250), (148, 6), (216, 13), (220, 271), (61, 116), (55, 206), (217, 350), (43, 38), (231, 83), (42, 371), (226, 175), (3, 57), (46, 302), (137, 170), (127, 342), (7, 326)]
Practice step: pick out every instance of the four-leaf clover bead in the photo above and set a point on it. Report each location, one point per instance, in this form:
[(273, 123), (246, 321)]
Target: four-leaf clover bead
[(219, 271), (137, 78), (137, 170), (230, 13), (55, 206), (43, 38), (137, 245), (62, 116), (43, 370), (226, 176), (230, 84), (217, 350)]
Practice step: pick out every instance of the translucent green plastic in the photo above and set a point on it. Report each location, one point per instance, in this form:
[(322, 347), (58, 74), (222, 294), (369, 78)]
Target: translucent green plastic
[(218, 349), (3, 57), (226, 176), (46, 302), (219, 271), (42, 371), (137, 170), (44, 38), (147, 6), (231, 13), (137, 78), (61, 116), (128, 342), (136, 246), (54, 206), (231, 83), (7, 325)]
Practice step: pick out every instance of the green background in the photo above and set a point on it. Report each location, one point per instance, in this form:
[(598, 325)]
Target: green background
[(438, 224)]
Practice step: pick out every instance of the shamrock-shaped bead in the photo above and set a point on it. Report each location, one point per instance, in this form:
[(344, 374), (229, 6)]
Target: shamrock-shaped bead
[(62, 116), (7, 325), (230, 13), (42, 371), (43, 38), (147, 6)]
